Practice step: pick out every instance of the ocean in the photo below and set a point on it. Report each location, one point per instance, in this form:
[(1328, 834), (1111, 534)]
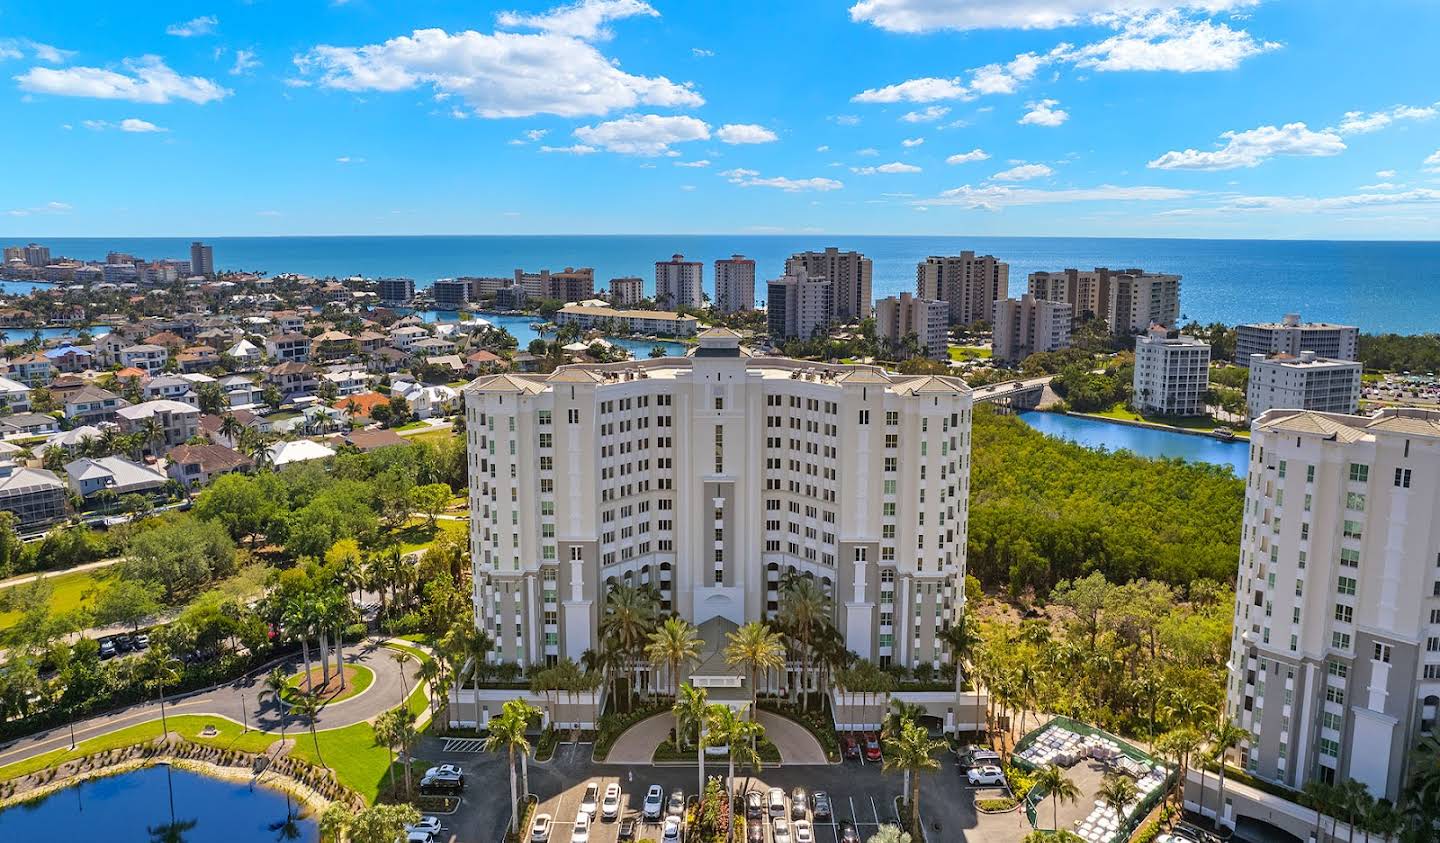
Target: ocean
[(1380, 286)]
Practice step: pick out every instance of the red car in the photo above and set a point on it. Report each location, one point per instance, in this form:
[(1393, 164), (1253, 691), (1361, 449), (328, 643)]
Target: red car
[(850, 748), (872, 748)]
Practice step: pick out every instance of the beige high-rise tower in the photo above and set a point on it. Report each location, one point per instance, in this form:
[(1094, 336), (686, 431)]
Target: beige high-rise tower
[(971, 284), (848, 272)]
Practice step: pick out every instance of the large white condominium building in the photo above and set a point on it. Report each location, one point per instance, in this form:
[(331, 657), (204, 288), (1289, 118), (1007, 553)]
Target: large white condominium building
[(1086, 291), (1307, 382), (678, 283), (1335, 659), (591, 316), (898, 317), (849, 272), (969, 283), (1025, 326), (626, 292), (1139, 299), (710, 478), (734, 284), (799, 306), (1291, 336), (1172, 372)]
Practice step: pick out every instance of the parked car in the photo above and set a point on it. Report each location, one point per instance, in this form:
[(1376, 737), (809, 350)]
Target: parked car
[(540, 828), (847, 832), (755, 832), (122, 643), (850, 747), (775, 801), (107, 649), (590, 801), (820, 806), (977, 756), (798, 803), (446, 770), (872, 747), (142, 641), (443, 784), (754, 805), (780, 830), (654, 802), (430, 825), (419, 837), (581, 832), (627, 830), (610, 805), (1199, 834), (676, 806), (672, 830), (986, 775), (803, 832)]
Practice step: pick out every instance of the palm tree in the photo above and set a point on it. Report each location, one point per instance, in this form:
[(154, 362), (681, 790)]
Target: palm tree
[(526, 713), (231, 428), (1355, 800), (151, 431), (1224, 736), (299, 616), (724, 727), (629, 616), (1052, 779), (691, 708), (429, 672), (478, 645), (912, 751), (1117, 791), (160, 670), (507, 732), (900, 713), (758, 648), (1383, 819), (308, 706), (384, 729), (276, 682), (401, 657), (673, 643), (1324, 798), (804, 607), (1180, 744)]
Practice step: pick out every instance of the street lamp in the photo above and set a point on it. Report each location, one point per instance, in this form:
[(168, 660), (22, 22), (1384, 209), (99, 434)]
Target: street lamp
[(244, 713)]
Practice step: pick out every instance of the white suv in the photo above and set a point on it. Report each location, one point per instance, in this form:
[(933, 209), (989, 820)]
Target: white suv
[(654, 802)]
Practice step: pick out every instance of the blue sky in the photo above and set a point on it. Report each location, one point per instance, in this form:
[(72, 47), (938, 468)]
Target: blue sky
[(1223, 118)]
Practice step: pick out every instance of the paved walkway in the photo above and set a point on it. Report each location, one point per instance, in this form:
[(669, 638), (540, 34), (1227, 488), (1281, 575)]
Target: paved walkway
[(796, 744), (88, 566), (637, 745), (243, 700)]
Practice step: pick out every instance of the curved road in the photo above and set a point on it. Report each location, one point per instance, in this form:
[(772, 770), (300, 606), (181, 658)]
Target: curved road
[(242, 700)]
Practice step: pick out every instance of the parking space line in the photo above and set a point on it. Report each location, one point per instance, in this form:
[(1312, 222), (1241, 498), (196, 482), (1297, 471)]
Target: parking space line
[(874, 810)]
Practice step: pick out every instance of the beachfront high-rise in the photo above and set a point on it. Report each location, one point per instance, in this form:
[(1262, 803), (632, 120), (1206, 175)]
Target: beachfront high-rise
[(627, 291), (1027, 326), (971, 284), (1291, 336), (678, 283), (848, 273), (799, 306), (1139, 299), (1335, 655), (734, 284), (1086, 291), (202, 259), (711, 478), (898, 317), (395, 291), (1172, 373)]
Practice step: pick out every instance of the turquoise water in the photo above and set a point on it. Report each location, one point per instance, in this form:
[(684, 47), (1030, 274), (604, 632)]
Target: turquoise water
[(1380, 286), (22, 334), (159, 804), (1140, 440), (519, 328)]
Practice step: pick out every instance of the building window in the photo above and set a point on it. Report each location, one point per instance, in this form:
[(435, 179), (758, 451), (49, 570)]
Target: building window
[(1382, 652), (1340, 640), (1359, 473), (1349, 557), (1402, 478), (1343, 613), (1346, 586), (1352, 530)]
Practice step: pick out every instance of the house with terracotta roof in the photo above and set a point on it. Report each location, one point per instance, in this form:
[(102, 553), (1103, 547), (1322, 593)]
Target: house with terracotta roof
[(371, 440), (361, 405), (197, 358), (333, 344), (294, 380), (484, 362), (196, 466)]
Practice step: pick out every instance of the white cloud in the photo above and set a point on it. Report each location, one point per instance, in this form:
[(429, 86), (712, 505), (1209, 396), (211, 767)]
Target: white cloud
[(924, 89), (501, 75), (1384, 174), (1384, 185), (1044, 113), (847, 120), (1023, 172), (1254, 147), (245, 62), (585, 19), (993, 197), (1360, 122), (47, 208), (530, 136), (152, 82), (349, 159), (1005, 79), (1322, 204), (701, 52), (989, 79), (912, 142), (822, 148), (790, 185), (203, 25), (739, 173), (643, 134), (687, 187), (867, 152), (967, 157), (130, 124), (928, 114), (574, 149), (1432, 162), (1168, 41), (703, 162), (891, 168), (18, 48), (740, 133), (931, 15)]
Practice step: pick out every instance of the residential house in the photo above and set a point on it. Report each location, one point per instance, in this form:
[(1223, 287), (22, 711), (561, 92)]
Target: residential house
[(319, 418), (426, 401), (24, 425), (37, 497), (69, 358), (213, 426), (388, 359), (241, 391), (91, 405), (332, 345), (31, 369), (196, 466), (370, 341), (197, 358), (371, 440), (150, 358), (168, 340), (171, 387), (299, 450), (288, 321), (361, 405), (405, 336), (108, 346), (90, 476), (14, 396), (450, 362), (178, 422), (246, 354), (289, 348), (348, 382), (294, 380), (73, 439), (483, 362)]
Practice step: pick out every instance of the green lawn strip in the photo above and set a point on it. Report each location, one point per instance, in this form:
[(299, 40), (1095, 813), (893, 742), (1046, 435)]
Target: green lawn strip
[(1204, 424), (69, 592), (434, 435), (961, 353), (361, 678), (229, 736)]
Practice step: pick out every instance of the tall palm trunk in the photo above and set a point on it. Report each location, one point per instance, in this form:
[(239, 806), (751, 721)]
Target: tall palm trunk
[(525, 773), (700, 754), (514, 799), (323, 638), (914, 797), (305, 654)]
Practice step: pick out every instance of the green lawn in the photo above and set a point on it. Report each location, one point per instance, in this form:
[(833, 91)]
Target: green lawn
[(961, 353), (361, 677), (229, 736), (414, 425), (416, 534), (434, 435), (1204, 424), (69, 592)]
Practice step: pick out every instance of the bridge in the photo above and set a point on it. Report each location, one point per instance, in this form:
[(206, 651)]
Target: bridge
[(1014, 395)]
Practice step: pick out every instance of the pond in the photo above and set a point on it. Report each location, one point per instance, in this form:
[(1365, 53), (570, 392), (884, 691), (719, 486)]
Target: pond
[(160, 804), (519, 327), (19, 335), (1144, 441)]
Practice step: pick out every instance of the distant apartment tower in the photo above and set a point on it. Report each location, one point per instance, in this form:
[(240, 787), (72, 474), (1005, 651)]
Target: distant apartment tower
[(678, 283), (1291, 336), (534, 284), (571, 284), (848, 272), (969, 283), (14, 254), (1086, 291), (1306, 382), (37, 255), (450, 293), (798, 306), (627, 292), (396, 291), (1335, 649), (484, 287), (1139, 299), (1172, 373), (734, 284), (1027, 325), (897, 317), (202, 259)]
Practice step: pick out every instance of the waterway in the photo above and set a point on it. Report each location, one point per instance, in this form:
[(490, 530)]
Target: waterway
[(519, 327), (1146, 442), (160, 803)]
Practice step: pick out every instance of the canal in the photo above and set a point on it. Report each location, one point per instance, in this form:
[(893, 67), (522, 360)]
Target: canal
[(1146, 442)]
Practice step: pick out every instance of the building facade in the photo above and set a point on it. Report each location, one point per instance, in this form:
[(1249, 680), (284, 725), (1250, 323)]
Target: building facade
[(678, 283), (710, 478), (1086, 291), (798, 306), (969, 283), (1306, 382), (450, 293), (202, 259), (1291, 336), (897, 317), (848, 273), (1139, 299), (734, 284), (1027, 325), (1335, 655), (660, 323), (396, 291), (627, 292), (1172, 373)]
